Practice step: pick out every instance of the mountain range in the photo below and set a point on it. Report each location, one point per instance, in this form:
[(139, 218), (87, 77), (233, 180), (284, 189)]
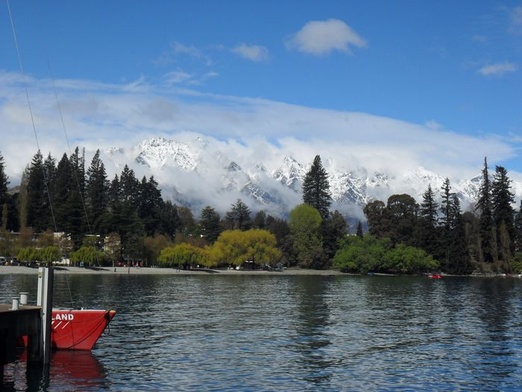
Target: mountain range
[(197, 171)]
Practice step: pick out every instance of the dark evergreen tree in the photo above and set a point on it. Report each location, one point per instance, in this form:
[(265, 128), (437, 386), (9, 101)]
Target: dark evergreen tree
[(486, 226), (458, 260), (50, 177), (150, 204), (63, 185), (447, 222), (428, 233), (114, 191), (123, 219), (4, 182), (333, 230), (446, 205), (67, 201), (169, 220), (316, 188), (122, 213), (4, 195), (238, 217), (187, 223), (129, 187), (378, 218), (518, 230), (359, 233), (78, 171), (259, 221), (278, 227), (210, 224), (97, 192), (402, 210), (502, 200), (472, 235), (39, 214)]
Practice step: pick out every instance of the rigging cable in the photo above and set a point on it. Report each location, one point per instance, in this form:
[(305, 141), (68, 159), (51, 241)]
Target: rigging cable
[(75, 172), (30, 111)]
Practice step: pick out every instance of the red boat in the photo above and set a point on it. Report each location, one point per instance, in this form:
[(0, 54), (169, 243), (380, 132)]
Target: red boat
[(78, 329), (73, 329)]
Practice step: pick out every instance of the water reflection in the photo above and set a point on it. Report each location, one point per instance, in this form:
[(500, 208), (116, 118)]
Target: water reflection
[(496, 344), (311, 335), (78, 370)]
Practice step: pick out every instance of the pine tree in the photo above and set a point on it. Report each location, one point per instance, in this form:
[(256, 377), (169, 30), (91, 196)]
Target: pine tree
[(38, 205), (316, 188), (259, 221), (128, 187), (458, 260), (502, 201), (333, 231), (238, 217), (67, 200), (210, 224), (78, 170), (150, 204), (4, 196), (486, 226), (428, 222), (169, 219), (97, 192), (518, 230), (446, 223)]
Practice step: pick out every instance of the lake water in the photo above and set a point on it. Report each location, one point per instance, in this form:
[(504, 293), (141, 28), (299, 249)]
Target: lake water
[(287, 333)]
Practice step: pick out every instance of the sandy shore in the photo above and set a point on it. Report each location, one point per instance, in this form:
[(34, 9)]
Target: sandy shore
[(7, 270)]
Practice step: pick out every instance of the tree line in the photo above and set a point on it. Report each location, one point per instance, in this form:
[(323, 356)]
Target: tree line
[(126, 220), (487, 238)]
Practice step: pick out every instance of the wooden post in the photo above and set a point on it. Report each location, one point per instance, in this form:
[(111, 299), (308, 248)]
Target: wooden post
[(45, 300)]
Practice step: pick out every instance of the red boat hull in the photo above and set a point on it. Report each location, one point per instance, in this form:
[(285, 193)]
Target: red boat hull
[(73, 329), (77, 329)]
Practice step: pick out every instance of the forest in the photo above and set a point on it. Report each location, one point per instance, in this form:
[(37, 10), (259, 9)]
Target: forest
[(66, 210)]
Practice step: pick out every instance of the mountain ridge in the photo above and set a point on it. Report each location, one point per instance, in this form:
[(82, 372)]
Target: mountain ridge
[(197, 171)]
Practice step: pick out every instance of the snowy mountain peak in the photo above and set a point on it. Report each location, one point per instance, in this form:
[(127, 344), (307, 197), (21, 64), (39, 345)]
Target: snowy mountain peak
[(160, 152), (201, 171)]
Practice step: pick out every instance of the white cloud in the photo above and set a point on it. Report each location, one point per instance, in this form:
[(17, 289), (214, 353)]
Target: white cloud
[(515, 26), (180, 52), (323, 37), (100, 116), (176, 77), (251, 52), (498, 69)]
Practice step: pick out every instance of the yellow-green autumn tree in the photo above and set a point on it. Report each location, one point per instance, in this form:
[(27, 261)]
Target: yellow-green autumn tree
[(234, 247), (182, 256)]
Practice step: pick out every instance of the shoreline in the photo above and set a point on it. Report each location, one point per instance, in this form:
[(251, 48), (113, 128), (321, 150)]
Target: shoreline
[(68, 270)]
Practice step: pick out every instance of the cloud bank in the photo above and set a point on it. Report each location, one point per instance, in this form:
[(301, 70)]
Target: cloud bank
[(97, 116)]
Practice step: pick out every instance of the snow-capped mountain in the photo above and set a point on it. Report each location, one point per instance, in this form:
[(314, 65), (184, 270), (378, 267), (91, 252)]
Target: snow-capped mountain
[(198, 172)]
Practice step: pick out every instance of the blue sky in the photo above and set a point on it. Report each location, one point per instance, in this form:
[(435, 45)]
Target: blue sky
[(434, 83)]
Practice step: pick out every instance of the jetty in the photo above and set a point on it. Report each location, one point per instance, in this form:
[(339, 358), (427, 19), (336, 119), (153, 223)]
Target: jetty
[(20, 319)]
